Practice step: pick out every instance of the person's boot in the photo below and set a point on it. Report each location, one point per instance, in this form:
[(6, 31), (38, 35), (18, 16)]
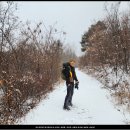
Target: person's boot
[(66, 108)]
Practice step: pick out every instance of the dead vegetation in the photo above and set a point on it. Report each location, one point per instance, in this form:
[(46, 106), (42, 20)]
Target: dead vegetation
[(29, 63), (107, 52)]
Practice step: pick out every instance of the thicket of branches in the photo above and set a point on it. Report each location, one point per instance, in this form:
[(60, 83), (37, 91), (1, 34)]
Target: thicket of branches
[(29, 63), (107, 50), (69, 53)]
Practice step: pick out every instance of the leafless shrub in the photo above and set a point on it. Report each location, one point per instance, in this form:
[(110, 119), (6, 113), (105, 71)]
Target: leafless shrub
[(107, 53), (29, 65)]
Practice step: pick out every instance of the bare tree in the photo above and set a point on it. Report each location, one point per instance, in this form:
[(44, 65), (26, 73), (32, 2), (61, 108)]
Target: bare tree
[(29, 63), (107, 53)]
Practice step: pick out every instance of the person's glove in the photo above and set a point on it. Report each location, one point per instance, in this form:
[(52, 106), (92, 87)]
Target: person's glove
[(77, 82), (76, 85)]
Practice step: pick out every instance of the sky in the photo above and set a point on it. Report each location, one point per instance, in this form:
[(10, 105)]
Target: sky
[(74, 18)]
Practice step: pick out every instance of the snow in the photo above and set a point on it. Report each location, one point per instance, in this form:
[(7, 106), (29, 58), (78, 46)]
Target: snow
[(91, 106)]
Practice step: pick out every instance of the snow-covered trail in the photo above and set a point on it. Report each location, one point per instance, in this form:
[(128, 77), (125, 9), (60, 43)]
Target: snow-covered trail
[(91, 106)]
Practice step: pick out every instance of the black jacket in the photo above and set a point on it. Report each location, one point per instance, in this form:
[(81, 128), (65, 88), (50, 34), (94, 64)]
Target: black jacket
[(67, 67)]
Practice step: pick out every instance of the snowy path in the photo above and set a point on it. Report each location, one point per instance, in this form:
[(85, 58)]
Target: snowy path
[(91, 106)]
